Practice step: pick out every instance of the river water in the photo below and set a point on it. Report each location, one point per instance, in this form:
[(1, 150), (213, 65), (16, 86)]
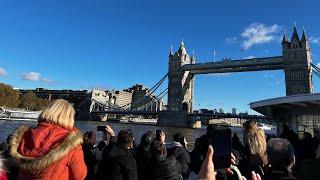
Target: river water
[(7, 127)]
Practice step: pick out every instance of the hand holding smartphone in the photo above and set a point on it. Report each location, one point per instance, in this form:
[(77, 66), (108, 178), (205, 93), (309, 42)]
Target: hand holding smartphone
[(221, 142), (108, 129)]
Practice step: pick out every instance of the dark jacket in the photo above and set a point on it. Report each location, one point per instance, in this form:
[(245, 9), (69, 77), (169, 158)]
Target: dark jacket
[(279, 175), (143, 158), (182, 156), (199, 153), (90, 160), (165, 168), (11, 165), (117, 164)]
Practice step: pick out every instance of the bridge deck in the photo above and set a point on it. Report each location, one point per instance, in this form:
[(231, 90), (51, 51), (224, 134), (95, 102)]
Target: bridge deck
[(253, 64), (210, 115)]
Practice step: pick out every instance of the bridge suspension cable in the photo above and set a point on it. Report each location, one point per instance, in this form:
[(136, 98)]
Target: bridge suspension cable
[(142, 102), (156, 86), (151, 91), (157, 98), (316, 69)]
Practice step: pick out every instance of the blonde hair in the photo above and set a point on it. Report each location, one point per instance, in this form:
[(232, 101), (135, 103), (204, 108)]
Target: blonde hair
[(60, 113), (254, 138)]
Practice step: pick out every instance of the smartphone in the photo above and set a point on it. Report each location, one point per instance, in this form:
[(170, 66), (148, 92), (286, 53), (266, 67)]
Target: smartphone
[(221, 143), (101, 128)]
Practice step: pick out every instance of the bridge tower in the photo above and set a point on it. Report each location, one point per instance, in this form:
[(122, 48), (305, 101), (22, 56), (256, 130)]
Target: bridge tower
[(181, 83), (297, 64)]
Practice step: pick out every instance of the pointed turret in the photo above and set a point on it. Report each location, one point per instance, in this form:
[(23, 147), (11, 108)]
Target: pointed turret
[(285, 42), (193, 58), (304, 40), (295, 35), (284, 39), (182, 50), (171, 51), (304, 36)]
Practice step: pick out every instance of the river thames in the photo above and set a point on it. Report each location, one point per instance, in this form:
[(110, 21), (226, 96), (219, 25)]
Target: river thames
[(9, 126)]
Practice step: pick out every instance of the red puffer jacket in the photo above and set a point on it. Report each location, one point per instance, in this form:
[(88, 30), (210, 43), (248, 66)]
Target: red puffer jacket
[(48, 152), (3, 174)]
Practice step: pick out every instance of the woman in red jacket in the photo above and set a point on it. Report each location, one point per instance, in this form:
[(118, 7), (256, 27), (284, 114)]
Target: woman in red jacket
[(3, 174), (52, 149)]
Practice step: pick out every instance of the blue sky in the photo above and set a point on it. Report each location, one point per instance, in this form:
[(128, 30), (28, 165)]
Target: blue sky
[(77, 44)]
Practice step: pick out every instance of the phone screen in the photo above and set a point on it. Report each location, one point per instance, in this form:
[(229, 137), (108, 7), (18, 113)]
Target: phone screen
[(221, 142), (101, 128)]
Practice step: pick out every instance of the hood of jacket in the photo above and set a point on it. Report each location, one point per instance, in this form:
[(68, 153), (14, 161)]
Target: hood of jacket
[(115, 151), (38, 147), (165, 168), (1, 165)]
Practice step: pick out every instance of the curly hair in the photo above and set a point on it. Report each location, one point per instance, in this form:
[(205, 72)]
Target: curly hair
[(254, 138)]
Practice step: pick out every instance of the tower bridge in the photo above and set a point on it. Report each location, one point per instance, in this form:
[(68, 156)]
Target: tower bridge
[(295, 61)]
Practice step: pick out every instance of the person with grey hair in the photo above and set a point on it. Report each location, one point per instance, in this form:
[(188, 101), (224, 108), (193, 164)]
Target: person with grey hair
[(281, 158)]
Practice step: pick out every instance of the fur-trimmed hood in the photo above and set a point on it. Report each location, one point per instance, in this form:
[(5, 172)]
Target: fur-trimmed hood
[(37, 148), (1, 165)]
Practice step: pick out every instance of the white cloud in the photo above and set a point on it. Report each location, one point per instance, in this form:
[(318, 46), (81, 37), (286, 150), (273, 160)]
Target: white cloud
[(3, 72), (232, 40), (258, 33), (48, 81), (318, 65), (31, 76), (314, 40), (35, 76), (250, 57)]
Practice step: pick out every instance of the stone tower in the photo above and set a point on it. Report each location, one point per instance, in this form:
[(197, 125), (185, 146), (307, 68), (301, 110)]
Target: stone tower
[(297, 64), (181, 83)]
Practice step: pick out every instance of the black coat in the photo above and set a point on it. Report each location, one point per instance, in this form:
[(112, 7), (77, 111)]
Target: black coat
[(117, 164), (165, 168), (90, 160), (143, 158), (183, 157)]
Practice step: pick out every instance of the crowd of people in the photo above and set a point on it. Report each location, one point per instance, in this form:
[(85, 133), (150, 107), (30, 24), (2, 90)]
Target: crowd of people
[(55, 149)]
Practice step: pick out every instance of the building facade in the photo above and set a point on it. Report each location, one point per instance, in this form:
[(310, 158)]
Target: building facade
[(73, 96), (142, 99), (120, 98)]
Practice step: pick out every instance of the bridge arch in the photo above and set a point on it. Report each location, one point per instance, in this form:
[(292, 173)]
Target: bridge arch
[(185, 107)]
